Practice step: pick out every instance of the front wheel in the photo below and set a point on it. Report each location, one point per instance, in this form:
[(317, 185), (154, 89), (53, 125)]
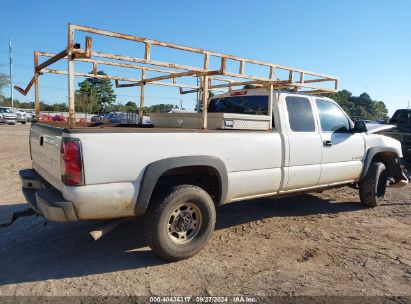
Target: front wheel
[(179, 223), (372, 188)]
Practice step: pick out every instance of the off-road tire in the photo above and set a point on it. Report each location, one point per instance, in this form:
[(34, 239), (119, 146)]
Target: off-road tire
[(373, 186), (157, 221)]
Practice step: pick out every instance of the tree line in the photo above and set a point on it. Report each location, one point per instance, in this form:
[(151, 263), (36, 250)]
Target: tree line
[(360, 107)]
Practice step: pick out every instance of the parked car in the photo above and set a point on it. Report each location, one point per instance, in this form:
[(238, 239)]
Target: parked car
[(21, 116), (59, 118), (176, 177), (45, 117), (7, 116), (118, 117), (97, 118), (30, 115)]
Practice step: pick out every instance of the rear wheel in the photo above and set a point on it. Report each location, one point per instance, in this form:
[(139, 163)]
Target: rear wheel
[(179, 223), (372, 188)]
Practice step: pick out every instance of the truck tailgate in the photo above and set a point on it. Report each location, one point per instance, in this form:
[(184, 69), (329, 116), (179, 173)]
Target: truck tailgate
[(45, 145)]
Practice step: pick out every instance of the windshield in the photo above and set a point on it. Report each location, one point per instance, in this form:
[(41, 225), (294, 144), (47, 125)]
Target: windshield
[(257, 105), (5, 110)]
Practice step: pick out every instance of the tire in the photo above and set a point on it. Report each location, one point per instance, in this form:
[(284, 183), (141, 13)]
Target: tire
[(23, 122), (372, 188), (179, 223)]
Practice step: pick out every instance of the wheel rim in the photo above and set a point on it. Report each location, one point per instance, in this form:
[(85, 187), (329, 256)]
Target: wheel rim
[(184, 223)]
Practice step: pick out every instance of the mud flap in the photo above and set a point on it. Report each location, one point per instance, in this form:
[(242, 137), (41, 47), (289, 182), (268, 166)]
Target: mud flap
[(12, 213)]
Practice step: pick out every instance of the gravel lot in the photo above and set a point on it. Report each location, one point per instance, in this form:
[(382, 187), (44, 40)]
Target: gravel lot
[(319, 244)]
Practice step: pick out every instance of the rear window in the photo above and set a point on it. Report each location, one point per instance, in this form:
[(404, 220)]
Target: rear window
[(257, 105)]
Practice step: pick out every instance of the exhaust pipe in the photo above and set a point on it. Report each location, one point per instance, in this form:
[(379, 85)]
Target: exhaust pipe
[(103, 230)]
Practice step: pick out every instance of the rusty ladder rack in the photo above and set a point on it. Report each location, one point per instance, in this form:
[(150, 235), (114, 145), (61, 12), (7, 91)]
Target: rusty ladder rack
[(210, 79)]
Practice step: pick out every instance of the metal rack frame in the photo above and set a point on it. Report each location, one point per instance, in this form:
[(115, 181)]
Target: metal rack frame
[(218, 80)]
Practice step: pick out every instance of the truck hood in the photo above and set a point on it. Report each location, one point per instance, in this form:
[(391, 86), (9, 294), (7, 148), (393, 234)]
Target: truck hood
[(375, 127)]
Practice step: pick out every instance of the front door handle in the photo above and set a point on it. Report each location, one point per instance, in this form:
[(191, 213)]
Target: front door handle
[(327, 143)]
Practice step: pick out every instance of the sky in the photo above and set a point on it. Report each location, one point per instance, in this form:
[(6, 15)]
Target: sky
[(365, 43)]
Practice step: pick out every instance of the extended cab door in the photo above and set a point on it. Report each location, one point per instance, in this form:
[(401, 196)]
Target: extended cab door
[(304, 142), (342, 151)]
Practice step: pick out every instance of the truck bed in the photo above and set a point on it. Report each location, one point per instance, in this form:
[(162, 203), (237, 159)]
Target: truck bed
[(127, 128)]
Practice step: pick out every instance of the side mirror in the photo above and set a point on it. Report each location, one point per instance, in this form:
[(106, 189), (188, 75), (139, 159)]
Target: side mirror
[(360, 127)]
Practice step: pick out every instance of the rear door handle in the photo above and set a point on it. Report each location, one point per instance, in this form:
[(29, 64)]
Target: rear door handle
[(327, 143)]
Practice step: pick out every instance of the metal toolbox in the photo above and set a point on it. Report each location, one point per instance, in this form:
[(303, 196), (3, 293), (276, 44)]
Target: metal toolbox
[(222, 121)]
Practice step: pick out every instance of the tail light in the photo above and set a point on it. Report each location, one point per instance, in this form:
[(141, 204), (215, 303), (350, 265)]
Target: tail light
[(72, 173)]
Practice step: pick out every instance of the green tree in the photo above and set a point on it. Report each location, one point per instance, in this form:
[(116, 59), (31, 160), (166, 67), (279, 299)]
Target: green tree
[(160, 108), (131, 106), (101, 89), (360, 107), (86, 103), (59, 107), (4, 81)]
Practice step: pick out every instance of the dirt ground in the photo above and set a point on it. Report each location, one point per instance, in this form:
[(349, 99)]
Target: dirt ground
[(319, 244)]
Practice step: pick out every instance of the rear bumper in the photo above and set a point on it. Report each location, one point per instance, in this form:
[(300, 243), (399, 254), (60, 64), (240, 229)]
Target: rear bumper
[(44, 199)]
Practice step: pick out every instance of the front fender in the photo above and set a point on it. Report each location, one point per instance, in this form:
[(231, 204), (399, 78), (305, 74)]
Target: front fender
[(371, 153)]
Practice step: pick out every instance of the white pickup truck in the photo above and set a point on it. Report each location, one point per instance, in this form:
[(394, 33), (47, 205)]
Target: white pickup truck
[(175, 177)]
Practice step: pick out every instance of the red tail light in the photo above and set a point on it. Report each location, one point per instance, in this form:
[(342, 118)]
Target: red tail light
[(237, 93), (71, 162)]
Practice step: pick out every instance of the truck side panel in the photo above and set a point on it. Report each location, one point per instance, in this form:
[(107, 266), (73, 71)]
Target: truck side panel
[(253, 159)]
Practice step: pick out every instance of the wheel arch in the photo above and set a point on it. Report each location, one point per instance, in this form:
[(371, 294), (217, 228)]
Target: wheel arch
[(157, 169), (386, 155)]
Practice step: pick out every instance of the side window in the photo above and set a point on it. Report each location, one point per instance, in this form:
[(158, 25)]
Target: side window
[(332, 119), (300, 114)]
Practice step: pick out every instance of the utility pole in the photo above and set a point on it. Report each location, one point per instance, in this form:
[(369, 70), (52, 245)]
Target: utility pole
[(11, 74), (198, 99)]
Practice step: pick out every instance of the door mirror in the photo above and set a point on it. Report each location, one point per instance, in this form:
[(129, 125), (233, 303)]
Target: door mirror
[(360, 127)]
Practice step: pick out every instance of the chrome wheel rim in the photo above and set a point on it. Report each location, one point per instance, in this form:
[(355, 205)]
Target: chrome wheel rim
[(184, 223)]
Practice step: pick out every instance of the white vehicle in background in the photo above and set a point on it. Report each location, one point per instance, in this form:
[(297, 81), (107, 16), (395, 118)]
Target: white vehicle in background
[(30, 115), (21, 116), (7, 116)]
